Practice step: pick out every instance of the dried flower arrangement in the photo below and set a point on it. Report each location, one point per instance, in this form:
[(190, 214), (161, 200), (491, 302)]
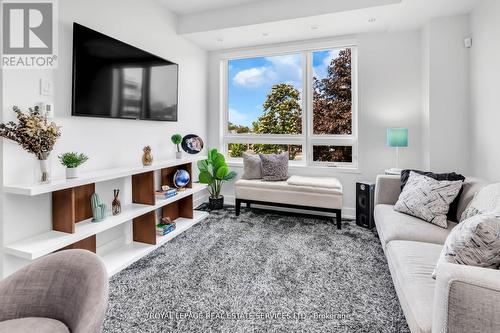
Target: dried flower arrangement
[(33, 132)]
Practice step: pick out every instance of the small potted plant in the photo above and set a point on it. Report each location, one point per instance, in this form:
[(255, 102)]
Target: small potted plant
[(214, 172), (72, 161), (176, 140)]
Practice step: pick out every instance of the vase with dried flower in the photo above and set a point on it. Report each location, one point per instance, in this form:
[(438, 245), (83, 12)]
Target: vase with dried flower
[(116, 206), (35, 134)]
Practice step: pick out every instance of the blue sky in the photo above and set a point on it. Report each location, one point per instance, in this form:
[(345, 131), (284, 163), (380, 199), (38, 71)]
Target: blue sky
[(250, 80)]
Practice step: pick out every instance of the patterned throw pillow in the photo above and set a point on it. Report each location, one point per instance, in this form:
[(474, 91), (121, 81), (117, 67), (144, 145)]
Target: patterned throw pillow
[(452, 212), (487, 200), (252, 167), (427, 198), (474, 242), (274, 166)]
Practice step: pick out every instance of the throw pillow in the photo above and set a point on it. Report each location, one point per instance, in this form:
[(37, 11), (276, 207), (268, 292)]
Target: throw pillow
[(452, 212), (274, 166), (427, 198), (487, 200), (474, 242), (252, 167)]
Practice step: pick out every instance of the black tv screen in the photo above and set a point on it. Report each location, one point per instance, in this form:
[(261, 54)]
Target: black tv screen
[(116, 80)]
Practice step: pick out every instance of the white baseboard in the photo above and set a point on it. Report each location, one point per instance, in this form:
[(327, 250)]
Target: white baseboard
[(347, 213)]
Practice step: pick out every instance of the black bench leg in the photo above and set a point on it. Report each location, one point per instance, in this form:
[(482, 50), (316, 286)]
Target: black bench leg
[(339, 219), (238, 207), (248, 204)]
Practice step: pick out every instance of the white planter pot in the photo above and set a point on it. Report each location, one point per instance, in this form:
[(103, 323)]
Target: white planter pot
[(71, 173), (178, 155)]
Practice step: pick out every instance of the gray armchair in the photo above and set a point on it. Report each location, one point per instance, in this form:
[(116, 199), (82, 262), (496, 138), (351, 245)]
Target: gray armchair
[(63, 292)]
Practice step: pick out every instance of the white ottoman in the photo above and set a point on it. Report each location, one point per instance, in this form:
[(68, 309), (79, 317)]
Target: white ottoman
[(312, 193)]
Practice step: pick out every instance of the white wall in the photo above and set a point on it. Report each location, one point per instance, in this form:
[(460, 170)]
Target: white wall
[(446, 94), (485, 89), (108, 142), (389, 96)]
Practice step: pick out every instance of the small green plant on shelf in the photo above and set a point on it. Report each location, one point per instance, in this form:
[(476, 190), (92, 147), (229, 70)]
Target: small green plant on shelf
[(72, 161), (176, 140), (214, 171)]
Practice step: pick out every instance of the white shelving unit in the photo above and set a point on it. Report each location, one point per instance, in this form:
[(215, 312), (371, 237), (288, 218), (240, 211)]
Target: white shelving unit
[(93, 177), (122, 257), (32, 248), (50, 241)]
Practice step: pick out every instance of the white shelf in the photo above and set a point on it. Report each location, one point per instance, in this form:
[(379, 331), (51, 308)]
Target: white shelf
[(94, 177), (50, 241), (122, 257)]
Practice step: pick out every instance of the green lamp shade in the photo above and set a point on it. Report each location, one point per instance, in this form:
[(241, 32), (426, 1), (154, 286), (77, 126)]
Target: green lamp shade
[(397, 137)]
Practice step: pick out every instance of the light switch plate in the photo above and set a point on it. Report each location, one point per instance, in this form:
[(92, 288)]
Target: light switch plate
[(46, 87)]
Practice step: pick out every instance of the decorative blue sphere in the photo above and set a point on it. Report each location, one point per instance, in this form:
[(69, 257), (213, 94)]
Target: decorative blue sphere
[(181, 178)]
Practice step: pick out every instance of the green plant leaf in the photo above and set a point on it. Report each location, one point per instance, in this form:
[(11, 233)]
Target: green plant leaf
[(222, 172), (205, 178), (219, 161), (202, 165), (230, 175), (212, 154)]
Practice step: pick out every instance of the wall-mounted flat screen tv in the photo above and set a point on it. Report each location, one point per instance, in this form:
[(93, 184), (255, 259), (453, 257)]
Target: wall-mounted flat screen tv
[(115, 80)]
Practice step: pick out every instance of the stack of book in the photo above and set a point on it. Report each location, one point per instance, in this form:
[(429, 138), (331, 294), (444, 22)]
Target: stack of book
[(163, 229), (166, 194)]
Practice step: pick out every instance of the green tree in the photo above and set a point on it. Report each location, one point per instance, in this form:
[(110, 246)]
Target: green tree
[(282, 115)]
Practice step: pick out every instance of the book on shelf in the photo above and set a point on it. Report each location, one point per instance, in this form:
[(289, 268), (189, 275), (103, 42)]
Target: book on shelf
[(163, 229), (166, 194)]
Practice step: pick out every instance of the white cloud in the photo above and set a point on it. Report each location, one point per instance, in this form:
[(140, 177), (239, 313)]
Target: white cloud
[(321, 71), (254, 77), (237, 117)]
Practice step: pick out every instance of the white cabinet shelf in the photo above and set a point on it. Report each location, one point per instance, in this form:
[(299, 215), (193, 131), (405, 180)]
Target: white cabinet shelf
[(123, 256), (35, 247), (94, 177)]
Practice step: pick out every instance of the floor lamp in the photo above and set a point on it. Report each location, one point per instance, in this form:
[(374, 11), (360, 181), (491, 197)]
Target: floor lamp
[(397, 138)]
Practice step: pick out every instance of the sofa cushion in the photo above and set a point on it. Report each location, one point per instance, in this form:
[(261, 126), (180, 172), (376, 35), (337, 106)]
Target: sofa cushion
[(33, 324), (427, 198), (392, 225), (470, 187), (452, 212), (474, 242), (411, 265), (486, 200)]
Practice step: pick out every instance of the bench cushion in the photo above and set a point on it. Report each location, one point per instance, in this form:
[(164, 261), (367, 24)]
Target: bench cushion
[(282, 192)]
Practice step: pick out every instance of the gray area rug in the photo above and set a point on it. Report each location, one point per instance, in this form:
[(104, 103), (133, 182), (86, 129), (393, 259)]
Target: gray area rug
[(260, 272)]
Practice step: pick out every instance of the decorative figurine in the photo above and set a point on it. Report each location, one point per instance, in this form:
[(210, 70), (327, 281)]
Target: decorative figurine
[(147, 157), (116, 206), (181, 179), (98, 208)]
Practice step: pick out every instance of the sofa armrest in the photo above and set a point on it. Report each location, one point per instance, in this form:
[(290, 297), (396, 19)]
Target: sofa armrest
[(387, 189), (466, 299), (70, 286)]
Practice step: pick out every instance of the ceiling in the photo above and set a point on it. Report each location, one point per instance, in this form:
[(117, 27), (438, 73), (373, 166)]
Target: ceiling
[(225, 24), (184, 7)]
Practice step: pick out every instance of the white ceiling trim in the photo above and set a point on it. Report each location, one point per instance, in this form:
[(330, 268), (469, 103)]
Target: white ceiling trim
[(269, 11)]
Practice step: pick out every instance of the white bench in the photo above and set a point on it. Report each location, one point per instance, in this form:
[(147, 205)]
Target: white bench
[(282, 194)]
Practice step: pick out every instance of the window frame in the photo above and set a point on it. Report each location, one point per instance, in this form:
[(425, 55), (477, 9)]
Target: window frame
[(307, 139)]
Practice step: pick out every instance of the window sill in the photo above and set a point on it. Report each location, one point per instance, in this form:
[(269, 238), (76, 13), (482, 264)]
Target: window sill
[(303, 167)]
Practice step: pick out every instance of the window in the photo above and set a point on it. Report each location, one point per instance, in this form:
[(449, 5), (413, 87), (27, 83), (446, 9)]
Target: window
[(302, 102)]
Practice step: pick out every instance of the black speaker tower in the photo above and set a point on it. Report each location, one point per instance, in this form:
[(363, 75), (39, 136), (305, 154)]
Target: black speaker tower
[(365, 198)]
